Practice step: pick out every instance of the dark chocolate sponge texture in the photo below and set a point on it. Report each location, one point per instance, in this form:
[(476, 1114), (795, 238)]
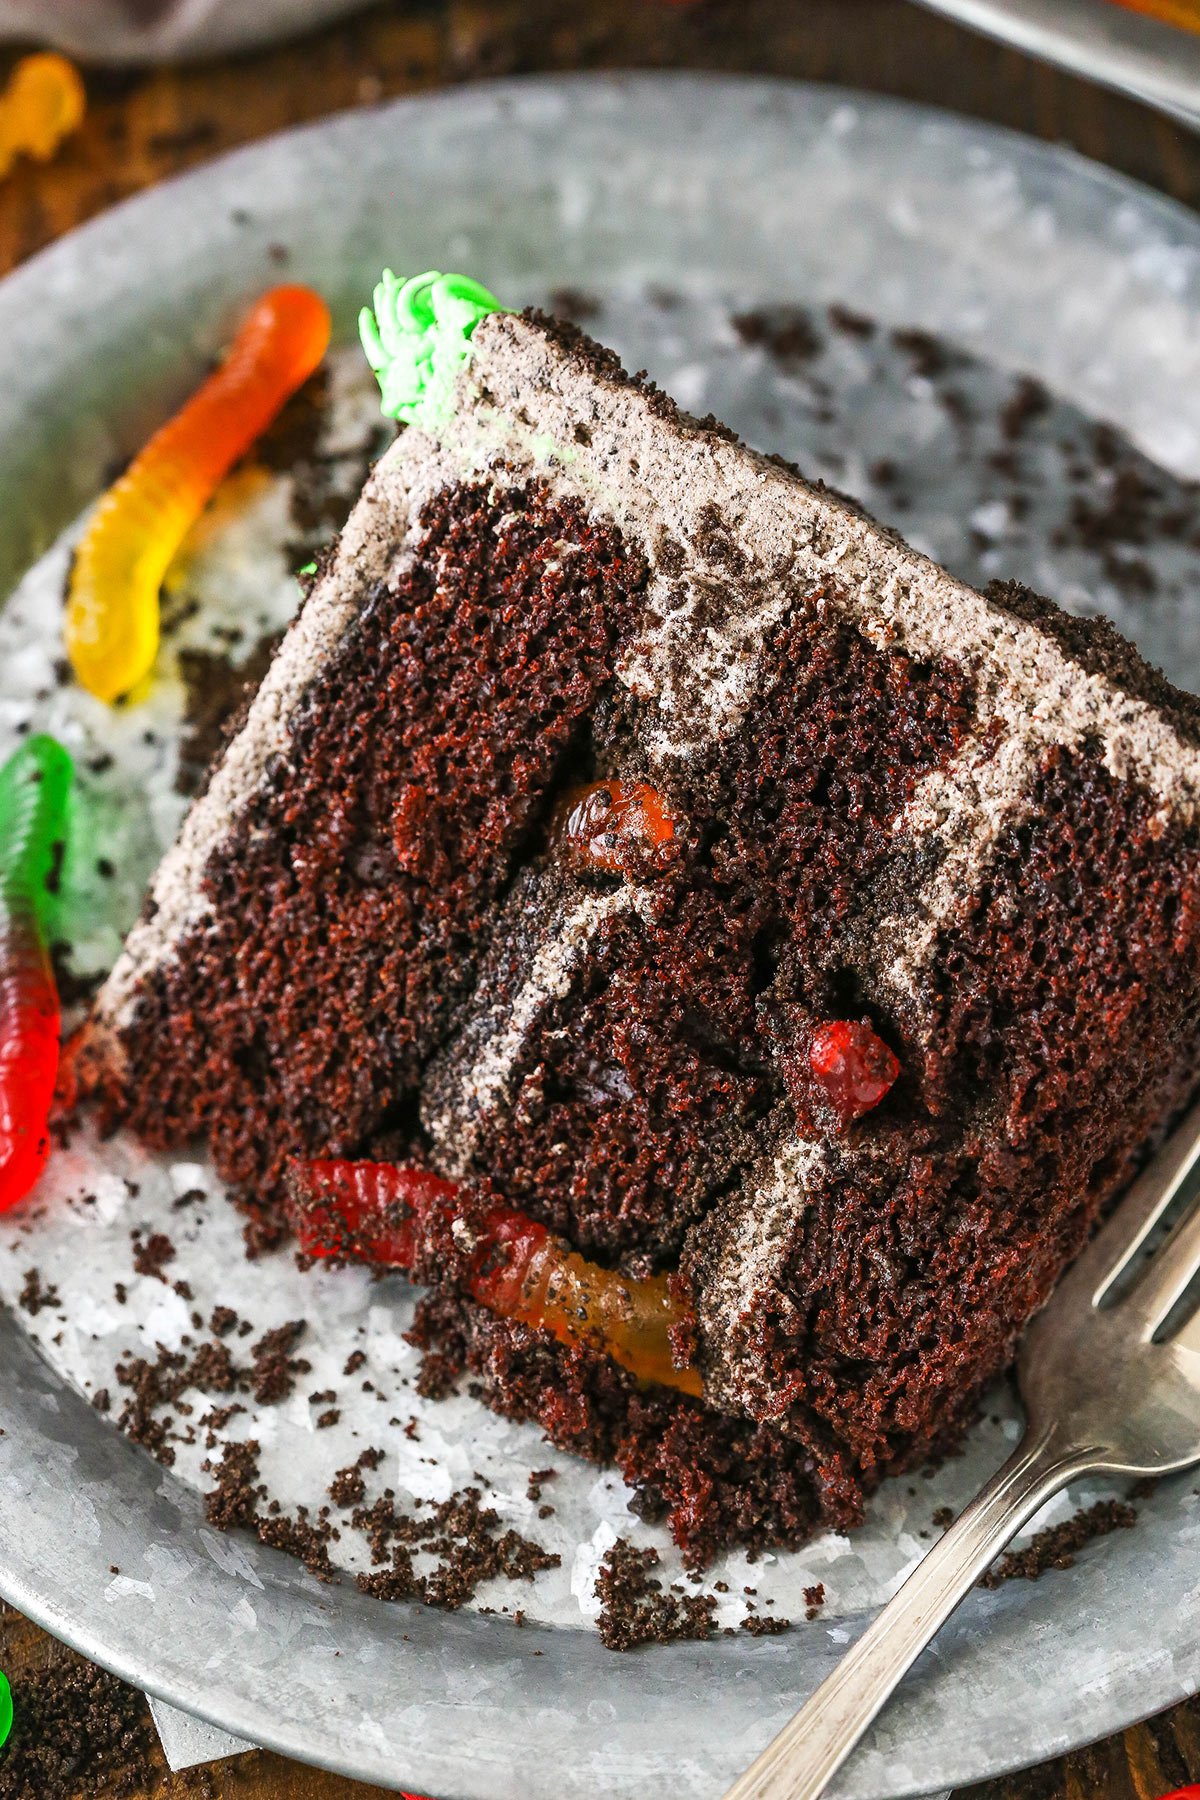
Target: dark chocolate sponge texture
[(957, 825)]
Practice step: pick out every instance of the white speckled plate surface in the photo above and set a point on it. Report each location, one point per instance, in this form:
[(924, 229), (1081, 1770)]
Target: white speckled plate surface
[(677, 210)]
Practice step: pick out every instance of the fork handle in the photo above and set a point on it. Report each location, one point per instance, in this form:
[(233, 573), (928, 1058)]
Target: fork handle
[(811, 1748)]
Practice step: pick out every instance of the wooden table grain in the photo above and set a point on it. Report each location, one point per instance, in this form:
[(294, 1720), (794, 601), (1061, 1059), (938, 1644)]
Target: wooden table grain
[(144, 126)]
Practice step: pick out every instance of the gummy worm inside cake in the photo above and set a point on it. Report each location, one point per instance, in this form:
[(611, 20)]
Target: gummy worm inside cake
[(647, 843)]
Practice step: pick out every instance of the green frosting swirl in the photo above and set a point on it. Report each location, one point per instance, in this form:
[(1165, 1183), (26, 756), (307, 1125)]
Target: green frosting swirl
[(417, 338)]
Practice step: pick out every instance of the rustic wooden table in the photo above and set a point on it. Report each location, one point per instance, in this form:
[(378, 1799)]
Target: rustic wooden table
[(142, 127)]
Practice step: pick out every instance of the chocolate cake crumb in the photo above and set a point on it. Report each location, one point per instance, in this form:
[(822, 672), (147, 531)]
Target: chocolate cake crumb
[(156, 1386), (760, 1625), (1029, 401), (537, 1481), (786, 332), (1056, 1546), (78, 1731), (348, 1489), (354, 1362), (351, 1488), (152, 1386), (929, 355), (634, 1609), (222, 1321), (294, 435), (572, 303), (300, 1537), (151, 1256), (275, 1368), (216, 1419), (438, 1376), (234, 1499), (212, 1368), (463, 1534), (329, 1417), (853, 324), (814, 1600), (33, 1297)]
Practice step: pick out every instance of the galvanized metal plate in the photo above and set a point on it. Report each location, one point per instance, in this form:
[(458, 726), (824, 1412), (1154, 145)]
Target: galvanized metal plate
[(1025, 256)]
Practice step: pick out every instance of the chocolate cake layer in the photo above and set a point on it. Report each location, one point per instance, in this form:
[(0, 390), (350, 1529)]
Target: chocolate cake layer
[(630, 1097), (956, 822), (343, 908), (718, 1478)]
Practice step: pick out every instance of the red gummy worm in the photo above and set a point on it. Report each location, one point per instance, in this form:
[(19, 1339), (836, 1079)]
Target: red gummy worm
[(375, 1212), (34, 784), (364, 1211)]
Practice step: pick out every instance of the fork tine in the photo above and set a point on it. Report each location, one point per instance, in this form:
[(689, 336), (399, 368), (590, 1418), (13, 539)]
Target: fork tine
[(1167, 1278), (1118, 1242), (1188, 1338)]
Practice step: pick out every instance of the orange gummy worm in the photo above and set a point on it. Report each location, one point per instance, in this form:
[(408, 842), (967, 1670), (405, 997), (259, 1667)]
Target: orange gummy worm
[(382, 1214), (577, 1300), (112, 616), (1172, 12), (43, 103)]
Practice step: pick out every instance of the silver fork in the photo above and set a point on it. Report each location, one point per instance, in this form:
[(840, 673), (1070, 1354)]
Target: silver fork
[(1104, 1393)]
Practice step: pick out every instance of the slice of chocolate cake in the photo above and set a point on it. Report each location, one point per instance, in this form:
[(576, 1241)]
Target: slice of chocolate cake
[(633, 833)]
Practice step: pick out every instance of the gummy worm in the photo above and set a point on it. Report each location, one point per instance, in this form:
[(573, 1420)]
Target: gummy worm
[(1173, 12), (43, 103), (112, 617), (619, 826), (378, 1213), (34, 785)]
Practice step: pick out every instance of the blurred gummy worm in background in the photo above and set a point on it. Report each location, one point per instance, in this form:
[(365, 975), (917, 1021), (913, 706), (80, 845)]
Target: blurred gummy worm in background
[(43, 103), (1172, 12)]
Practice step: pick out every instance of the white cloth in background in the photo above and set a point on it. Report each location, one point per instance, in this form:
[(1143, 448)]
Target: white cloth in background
[(187, 1741)]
